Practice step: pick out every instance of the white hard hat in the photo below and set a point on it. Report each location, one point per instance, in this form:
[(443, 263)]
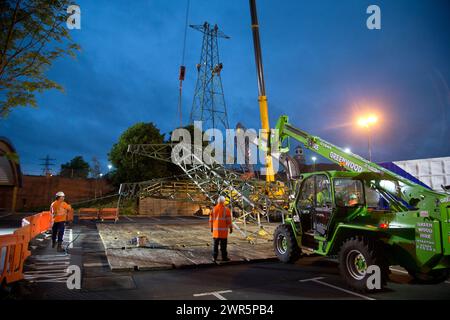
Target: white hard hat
[(60, 194), (221, 199)]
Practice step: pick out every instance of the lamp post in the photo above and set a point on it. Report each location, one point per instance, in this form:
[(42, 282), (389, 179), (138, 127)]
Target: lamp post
[(314, 163), (367, 122)]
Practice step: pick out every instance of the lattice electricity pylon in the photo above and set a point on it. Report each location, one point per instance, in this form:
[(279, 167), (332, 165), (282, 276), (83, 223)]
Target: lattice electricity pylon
[(209, 101), (250, 199)]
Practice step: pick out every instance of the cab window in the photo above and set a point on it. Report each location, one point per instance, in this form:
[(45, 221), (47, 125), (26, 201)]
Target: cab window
[(374, 198), (306, 196), (348, 192), (323, 196)]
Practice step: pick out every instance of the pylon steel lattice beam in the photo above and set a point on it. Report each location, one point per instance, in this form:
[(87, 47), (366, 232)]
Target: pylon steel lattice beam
[(250, 199)]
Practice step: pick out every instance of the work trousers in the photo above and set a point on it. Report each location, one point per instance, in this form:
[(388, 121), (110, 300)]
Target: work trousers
[(223, 247), (58, 230)]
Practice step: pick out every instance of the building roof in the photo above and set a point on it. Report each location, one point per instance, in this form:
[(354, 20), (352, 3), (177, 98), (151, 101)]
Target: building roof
[(10, 173)]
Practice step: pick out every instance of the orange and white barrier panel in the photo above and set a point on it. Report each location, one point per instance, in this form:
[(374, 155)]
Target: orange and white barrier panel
[(14, 247)]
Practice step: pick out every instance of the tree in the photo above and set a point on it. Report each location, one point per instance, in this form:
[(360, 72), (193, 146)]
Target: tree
[(75, 168), (33, 33), (129, 168)]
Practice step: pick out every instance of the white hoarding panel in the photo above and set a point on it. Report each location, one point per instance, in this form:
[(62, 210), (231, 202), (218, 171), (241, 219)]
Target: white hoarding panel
[(434, 172)]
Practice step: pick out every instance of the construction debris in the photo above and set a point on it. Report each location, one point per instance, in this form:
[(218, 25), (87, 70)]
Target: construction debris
[(174, 243)]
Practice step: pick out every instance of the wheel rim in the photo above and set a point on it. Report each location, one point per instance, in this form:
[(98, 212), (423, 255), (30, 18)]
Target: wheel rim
[(281, 244), (356, 264)]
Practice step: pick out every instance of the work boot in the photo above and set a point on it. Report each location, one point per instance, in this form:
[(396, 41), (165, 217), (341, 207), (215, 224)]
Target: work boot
[(226, 259), (53, 244), (59, 248)]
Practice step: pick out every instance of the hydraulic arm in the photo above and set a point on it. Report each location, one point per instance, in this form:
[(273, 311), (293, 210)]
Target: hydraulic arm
[(413, 194)]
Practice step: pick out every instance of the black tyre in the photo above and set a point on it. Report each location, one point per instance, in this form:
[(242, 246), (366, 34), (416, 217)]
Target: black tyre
[(355, 256), (432, 277), (285, 244)]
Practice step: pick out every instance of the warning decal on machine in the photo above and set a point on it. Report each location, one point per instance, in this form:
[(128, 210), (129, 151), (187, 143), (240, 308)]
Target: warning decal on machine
[(425, 237)]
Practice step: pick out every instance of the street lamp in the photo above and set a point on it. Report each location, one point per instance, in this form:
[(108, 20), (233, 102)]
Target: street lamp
[(367, 122), (314, 163), (110, 166)]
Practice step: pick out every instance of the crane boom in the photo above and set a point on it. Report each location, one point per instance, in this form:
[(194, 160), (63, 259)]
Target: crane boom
[(262, 98)]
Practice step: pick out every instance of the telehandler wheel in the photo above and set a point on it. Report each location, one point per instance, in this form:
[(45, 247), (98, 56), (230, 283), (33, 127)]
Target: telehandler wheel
[(433, 277), (355, 256), (285, 244)]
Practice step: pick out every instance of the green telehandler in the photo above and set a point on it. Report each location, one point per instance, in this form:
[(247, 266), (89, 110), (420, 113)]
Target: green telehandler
[(366, 216)]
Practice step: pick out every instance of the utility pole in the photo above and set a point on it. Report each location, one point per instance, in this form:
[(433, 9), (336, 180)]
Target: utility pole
[(47, 163), (209, 101), (95, 171)]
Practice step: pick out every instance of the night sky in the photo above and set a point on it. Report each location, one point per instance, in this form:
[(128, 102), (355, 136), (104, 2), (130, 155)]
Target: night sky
[(323, 68)]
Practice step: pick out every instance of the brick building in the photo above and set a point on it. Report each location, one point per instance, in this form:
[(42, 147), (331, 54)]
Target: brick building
[(39, 191)]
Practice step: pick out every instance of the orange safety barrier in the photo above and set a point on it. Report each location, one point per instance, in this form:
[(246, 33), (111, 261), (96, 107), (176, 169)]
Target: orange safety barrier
[(14, 247), (109, 214), (13, 252), (88, 214), (39, 223)]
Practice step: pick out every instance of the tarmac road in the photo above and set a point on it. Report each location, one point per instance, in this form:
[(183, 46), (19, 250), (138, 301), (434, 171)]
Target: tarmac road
[(311, 277)]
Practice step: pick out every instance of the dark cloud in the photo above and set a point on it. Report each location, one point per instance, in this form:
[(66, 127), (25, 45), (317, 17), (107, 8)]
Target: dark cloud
[(322, 68)]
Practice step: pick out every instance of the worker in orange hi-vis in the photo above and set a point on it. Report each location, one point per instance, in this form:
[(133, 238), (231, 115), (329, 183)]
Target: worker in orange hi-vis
[(60, 211), (220, 223)]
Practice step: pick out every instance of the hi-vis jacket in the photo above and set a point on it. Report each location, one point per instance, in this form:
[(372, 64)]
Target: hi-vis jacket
[(60, 211), (220, 221)]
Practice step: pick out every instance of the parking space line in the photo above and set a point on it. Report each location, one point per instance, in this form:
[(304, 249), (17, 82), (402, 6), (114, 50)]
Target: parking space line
[(398, 270), (217, 294), (95, 264), (317, 280)]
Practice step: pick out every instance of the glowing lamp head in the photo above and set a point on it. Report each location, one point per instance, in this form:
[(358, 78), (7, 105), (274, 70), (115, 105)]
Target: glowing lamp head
[(367, 121)]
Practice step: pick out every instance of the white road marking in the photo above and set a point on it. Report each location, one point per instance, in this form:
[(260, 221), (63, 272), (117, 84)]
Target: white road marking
[(51, 257), (217, 294), (59, 261), (48, 268), (95, 264), (317, 280), (398, 270)]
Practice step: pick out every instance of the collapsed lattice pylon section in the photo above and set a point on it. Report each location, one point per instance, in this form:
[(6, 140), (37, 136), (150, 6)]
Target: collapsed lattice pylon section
[(251, 200)]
